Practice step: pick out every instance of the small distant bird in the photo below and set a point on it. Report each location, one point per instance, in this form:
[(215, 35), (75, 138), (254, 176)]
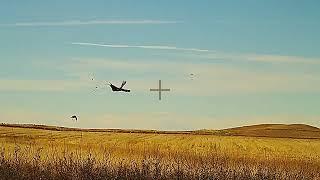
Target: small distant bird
[(74, 117), (92, 77), (192, 76), (115, 88)]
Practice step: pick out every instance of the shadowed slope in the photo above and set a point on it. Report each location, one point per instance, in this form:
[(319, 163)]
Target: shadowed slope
[(276, 130)]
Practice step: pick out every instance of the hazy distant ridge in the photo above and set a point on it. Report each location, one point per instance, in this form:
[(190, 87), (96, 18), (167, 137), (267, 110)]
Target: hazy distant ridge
[(300, 131)]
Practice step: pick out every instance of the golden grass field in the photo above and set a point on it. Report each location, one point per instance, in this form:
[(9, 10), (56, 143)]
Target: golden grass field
[(42, 152)]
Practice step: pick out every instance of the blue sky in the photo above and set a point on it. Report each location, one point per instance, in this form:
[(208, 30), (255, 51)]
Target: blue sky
[(254, 62)]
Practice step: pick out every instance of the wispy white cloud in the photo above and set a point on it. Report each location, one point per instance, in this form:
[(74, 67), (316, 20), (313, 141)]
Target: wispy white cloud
[(217, 78), (91, 22), (28, 116), (218, 55), (141, 47), (261, 58), (41, 85), (283, 59)]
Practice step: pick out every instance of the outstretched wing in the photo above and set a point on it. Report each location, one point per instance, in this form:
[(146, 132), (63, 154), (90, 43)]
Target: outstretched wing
[(123, 83), (74, 117), (113, 87)]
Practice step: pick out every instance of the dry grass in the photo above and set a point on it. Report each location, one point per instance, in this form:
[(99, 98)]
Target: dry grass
[(44, 154)]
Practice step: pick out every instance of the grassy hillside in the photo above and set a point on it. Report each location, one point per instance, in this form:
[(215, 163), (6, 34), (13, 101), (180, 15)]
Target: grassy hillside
[(277, 130), (299, 131), (34, 152)]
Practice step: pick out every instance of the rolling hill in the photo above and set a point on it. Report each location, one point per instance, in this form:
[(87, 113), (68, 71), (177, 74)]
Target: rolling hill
[(277, 131), (299, 131)]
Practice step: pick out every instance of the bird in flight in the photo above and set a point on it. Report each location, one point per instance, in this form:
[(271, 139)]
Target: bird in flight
[(192, 76), (74, 117), (115, 88), (92, 77)]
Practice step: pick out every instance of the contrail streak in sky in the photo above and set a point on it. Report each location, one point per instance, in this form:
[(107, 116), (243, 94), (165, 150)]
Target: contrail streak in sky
[(141, 47)]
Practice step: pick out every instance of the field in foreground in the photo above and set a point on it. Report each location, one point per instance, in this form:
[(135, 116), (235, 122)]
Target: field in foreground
[(55, 153)]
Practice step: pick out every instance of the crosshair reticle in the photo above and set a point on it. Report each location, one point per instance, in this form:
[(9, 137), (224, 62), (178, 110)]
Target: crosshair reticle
[(160, 90)]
